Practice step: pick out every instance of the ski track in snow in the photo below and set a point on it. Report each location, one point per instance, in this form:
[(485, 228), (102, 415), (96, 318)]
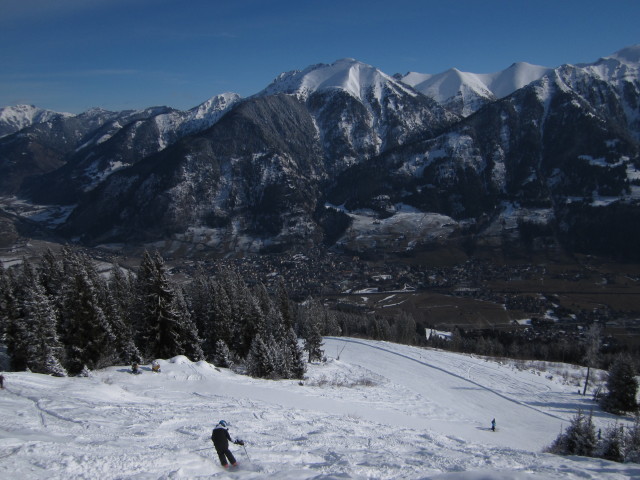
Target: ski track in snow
[(380, 411), (454, 375)]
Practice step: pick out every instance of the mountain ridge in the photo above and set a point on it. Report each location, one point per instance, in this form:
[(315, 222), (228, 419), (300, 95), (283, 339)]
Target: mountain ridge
[(240, 174)]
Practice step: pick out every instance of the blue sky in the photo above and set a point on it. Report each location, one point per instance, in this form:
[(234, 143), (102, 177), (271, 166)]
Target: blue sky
[(70, 55)]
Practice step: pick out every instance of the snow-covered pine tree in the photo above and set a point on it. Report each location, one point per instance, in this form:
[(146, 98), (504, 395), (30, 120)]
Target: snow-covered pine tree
[(284, 304), (119, 303), (200, 300), (592, 351), (253, 323), (86, 332), (622, 387), (142, 302), (313, 341), (221, 317), (35, 344), (222, 357), (273, 322), (188, 332), (247, 319), (163, 328), (294, 356), (238, 295), (612, 443), (585, 440), (52, 272), (261, 361), (14, 326), (6, 296), (631, 450), (578, 439)]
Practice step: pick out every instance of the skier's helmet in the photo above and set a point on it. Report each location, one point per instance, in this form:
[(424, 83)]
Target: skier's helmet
[(223, 423)]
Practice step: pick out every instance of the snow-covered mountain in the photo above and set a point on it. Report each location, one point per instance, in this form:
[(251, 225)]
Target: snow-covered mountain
[(557, 158), (258, 171), (360, 111), (536, 157), (464, 93), (18, 117), (358, 79), (373, 410), (123, 142), (46, 146)]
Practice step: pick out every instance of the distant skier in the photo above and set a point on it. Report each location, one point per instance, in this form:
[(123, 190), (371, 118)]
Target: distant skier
[(155, 367), (1, 381), (493, 425), (134, 368), (221, 438)]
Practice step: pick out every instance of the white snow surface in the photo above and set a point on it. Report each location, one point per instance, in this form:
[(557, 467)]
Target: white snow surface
[(373, 410), (354, 77), (443, 86), (20, 116)]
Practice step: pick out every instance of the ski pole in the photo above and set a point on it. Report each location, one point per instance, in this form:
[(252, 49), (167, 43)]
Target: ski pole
[(245, 452)]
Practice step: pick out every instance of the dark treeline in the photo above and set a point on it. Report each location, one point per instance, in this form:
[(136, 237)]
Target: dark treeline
[(522, 344), (59, 316)]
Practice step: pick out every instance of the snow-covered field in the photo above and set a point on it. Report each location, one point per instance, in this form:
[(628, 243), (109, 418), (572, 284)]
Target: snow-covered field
[(380, 411)]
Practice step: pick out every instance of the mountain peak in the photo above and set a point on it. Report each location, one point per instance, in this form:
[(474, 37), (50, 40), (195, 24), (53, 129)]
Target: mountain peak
[(18, 117), (346, 74), (451, 84), (628, 55), (215, 103)]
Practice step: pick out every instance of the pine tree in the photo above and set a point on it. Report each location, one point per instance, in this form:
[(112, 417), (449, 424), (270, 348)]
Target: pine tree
[(578, 439), (247, 318), (622, 387), (201, 302), (118, 305), (273, 322), (592, 353), (221, 317), (142, 301), (405, 328), (14, 331), (52, 273), (34, 341), (164, 328), (254, 323), (222, 356), (295, 363), (86, 333), (632, 442), (261, 361), (313, 342), (188, 332), (284, 305), (613, 443), (6, 294)]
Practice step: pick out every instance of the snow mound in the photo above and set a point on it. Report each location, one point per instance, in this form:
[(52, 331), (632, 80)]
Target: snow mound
[(180, 360)]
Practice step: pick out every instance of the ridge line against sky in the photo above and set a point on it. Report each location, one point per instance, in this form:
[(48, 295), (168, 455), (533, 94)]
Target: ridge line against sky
[(71, 55)]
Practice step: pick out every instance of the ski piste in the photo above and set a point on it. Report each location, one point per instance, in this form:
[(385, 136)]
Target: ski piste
[(430, 410)]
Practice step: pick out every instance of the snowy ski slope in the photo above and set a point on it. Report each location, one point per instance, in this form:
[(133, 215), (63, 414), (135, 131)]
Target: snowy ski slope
[(380, 411)]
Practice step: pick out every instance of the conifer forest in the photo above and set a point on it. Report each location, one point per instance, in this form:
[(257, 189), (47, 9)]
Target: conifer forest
[(60, 316)]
